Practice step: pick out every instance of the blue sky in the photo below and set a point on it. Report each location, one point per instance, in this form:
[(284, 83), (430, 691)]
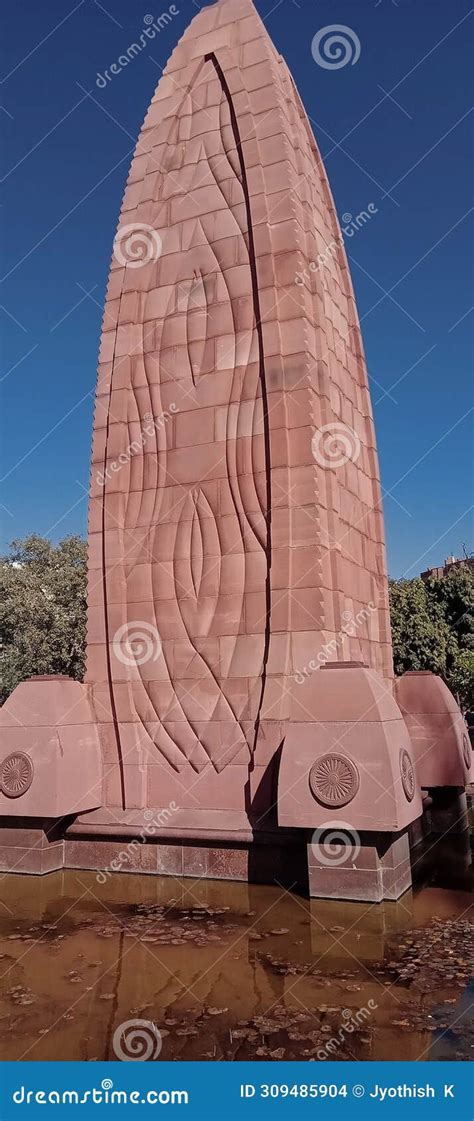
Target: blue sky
[(394, 130)]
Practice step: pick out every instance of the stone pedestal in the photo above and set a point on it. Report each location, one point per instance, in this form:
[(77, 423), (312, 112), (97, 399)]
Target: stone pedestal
[(208, 845), (35, 847), (369, 867), (438, 732), (449, 812), (420, 829)]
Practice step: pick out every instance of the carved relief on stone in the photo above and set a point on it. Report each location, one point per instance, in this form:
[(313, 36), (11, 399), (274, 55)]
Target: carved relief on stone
[(407, 773), (204, 502), (334, 780), (16, 774)]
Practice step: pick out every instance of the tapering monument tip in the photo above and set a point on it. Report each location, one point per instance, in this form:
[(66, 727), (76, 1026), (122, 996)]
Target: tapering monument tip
[(227, 4), (238, 9)]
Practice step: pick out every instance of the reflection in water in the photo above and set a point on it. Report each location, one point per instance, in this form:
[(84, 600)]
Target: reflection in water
[(228, 970)]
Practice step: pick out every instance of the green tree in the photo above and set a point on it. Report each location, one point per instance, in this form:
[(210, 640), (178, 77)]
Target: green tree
[(433, 628), (419, 631), (42, 610), (461, 679), (455, 595)]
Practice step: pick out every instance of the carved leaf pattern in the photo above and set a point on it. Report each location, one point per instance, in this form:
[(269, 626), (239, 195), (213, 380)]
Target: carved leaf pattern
[(198, 723)]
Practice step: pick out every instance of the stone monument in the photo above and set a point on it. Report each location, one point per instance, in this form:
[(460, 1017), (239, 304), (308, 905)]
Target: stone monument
[(239, 715)]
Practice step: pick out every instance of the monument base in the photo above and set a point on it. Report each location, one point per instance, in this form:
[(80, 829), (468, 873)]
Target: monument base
[(449, 810), (34, 847), (52, 816), (376, 868), (379, 870), (247, 863), (216, 846)]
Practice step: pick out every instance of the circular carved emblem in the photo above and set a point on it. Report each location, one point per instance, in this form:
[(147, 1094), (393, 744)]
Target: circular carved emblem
[(16, 774), (466, 751), (407, 773), (334, 780)]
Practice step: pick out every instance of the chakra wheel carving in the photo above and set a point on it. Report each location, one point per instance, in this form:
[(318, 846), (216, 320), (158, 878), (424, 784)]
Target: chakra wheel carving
[(334, 780), (407, 773), (16, 774), (466, 751)]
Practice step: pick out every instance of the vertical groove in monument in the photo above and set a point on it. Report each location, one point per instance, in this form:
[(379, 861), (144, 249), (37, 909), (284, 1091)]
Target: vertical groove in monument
[(263, 388), (198, 500), (104, 587)]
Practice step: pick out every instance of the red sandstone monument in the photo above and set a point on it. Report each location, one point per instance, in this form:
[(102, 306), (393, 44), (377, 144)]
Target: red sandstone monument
[(239, 714)]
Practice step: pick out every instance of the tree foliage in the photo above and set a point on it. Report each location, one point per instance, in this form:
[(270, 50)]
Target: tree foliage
[(43, 618), (419, 632), (42, 610), (433, 628)]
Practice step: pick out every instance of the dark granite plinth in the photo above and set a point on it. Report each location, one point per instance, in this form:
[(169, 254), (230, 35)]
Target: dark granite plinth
[(155, 858), (449, 811), (419, 830), (253, 863)]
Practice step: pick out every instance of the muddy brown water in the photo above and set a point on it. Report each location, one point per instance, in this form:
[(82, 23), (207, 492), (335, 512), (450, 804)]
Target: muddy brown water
[(232, 971)]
